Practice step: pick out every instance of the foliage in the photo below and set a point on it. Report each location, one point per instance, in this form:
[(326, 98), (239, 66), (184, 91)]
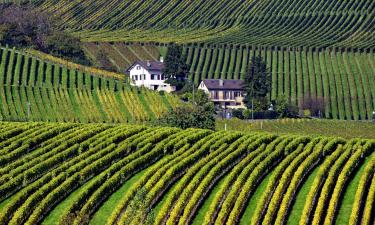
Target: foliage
[(42, 164), (319, 72), (257, 83), (312, 127), (63, 45), (45, 91), (315, 106), (175, 69), (139, 209), (186, 116), (284, 108), (27, 27), (199, 97)]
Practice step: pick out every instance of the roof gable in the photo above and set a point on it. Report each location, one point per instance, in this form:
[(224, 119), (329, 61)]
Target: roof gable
[(154, 66)]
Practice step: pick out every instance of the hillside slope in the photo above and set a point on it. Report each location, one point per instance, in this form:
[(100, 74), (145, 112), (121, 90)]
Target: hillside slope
[(65, 173), (38, 90), (343, 79), (272, 23)]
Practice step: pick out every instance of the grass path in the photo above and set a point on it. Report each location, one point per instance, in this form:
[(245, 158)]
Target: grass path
[(55, 215), (163, 199), (345, 208), (254, 199), (5, 202), (297, 209), (199, 217), (101, 216)]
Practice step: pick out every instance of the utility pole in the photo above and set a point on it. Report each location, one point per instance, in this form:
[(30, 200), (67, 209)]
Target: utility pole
[(252, 108), (193, 93), (28, 110)]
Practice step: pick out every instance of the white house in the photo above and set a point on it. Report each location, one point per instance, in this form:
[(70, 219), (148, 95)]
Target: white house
[(225, 93), (149, 74)]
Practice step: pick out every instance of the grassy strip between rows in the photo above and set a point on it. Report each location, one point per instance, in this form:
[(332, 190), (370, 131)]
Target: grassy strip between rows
[(5, 202), (101, 216), (254, 199), (54, 216), (199, 218), (297, 209), (349, 195)]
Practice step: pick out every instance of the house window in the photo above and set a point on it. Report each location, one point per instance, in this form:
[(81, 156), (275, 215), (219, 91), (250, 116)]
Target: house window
[(159, 77), (135, 77), (138, 67), (216, 95), (162, 77), (153, 76), (142, 77), (226, 95)]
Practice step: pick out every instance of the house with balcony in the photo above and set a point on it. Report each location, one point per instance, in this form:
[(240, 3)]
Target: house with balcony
[(224, 93), (149, 74)]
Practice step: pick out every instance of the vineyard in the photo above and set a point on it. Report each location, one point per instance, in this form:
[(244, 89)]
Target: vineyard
[(272, 23), (38, 90), (316, 51), (311, 127), (344, 80), (67, 173)]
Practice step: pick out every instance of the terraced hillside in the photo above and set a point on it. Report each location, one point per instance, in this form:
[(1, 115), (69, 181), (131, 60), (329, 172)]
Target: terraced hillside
[(66, 173), (343, 78), (272, 23), (38, 90)]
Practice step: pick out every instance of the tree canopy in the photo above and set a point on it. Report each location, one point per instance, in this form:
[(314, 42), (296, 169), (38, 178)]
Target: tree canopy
[(175, 69), (257, 83)]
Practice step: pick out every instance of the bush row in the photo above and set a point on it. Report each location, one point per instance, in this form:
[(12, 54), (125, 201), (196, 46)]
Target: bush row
[(211, 173), (250, 183), (56, 157), (229, 180), (30, 143), (318, 182), (112, 178), (78, 170), (260, 210), (362, 191), (261, 156), (346, 173), (329, 183), (180, 153), (197, 152), (299, 177)]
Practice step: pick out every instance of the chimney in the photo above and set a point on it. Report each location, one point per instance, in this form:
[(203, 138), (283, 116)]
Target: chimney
[(221, 82), (148, 63), (161, 59)]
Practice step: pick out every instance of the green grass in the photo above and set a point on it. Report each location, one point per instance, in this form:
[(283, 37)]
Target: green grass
[(5, 202), (248, 214), (297, 209), (55, 215), (101, 216), (199, 217), (349, 195), (311, 127), (163, 51)]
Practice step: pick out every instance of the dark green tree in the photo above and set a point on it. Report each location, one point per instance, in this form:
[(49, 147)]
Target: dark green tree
[(176, 69), (257, 83), (284, 108), (189, 115)]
